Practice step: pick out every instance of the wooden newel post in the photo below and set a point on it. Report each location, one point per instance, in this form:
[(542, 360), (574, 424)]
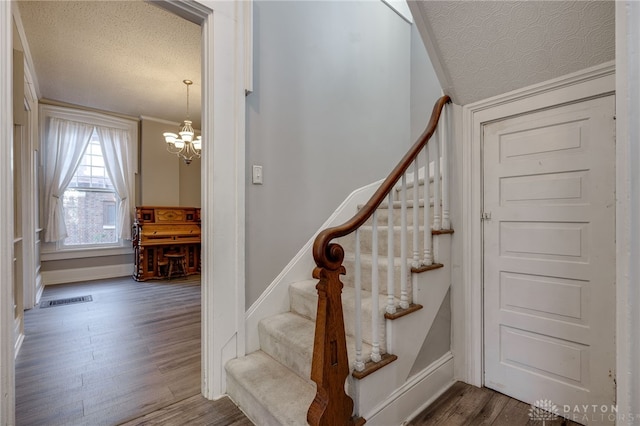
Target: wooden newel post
[(330, 366)]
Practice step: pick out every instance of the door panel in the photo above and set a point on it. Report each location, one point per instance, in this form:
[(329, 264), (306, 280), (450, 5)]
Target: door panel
[(549, 247)]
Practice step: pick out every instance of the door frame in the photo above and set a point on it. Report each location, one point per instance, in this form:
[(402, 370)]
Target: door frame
[(467, 304), (226, 70)]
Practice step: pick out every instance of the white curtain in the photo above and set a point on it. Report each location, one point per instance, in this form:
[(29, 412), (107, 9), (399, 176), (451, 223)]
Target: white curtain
[(67, 141), (116, 151)]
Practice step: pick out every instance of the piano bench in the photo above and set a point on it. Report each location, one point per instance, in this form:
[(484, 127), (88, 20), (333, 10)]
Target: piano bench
[(177, 265), (163, 268)]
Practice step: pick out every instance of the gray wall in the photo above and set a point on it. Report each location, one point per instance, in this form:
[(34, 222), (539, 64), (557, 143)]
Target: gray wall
[(165, 180), (425, 89), (330, 112)]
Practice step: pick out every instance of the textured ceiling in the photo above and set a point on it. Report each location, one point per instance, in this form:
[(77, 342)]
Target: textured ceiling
[(128, 57), (486, 48)]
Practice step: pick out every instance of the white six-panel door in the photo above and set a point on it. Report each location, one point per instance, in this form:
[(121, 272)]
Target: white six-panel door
[(549, 256)]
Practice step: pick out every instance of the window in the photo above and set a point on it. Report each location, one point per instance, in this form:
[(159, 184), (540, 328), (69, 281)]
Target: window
[(89, 167), (90, 201)]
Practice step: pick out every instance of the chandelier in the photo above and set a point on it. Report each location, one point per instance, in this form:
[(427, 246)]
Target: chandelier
[(183, 144)]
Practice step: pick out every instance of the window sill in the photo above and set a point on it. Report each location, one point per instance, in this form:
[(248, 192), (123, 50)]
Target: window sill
[(84, 252)]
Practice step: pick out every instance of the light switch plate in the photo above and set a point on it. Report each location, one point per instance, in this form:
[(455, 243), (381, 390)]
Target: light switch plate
[(257, 175)]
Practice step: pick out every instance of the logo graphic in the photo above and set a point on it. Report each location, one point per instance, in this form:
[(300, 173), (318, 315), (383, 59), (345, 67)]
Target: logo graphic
[(543, 410)]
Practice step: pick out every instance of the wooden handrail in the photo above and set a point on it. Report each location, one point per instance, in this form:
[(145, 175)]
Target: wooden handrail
[(330, 366), (329, 255)]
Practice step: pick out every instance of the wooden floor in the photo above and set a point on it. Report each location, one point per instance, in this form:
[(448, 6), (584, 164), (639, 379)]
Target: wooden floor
[(468, 405), (133, 351), (132, 357)]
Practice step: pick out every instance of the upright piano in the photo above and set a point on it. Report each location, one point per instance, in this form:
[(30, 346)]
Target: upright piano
[(161, 231)]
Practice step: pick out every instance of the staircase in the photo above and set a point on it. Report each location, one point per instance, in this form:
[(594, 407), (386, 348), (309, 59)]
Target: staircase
[(273, 384)]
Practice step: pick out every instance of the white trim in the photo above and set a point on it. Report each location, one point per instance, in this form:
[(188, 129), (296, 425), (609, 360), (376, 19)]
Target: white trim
[(223, 189), (19, 340), (419, 391), (248, 50), (64, 276), (7, 362), (591, 82), (18, 332), (275, 299), (96, 118), (39, 286), (29, 184), (627, 208)]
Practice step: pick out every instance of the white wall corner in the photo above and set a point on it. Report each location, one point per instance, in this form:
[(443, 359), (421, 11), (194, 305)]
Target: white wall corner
[(627, 209)]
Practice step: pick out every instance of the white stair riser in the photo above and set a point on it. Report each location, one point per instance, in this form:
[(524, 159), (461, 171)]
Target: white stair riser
[(296, 360), (249, 404), (305, 303)]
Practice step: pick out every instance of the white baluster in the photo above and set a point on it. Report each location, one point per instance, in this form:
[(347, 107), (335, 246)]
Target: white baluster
[(444, 123), (391, 306), (404, 298), (359, 365), (437, 224), (416, 207), (428, 256), (375, 292)]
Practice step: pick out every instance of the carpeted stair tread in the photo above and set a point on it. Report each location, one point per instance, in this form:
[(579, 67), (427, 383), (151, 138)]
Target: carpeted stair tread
[(267, 391), (304, 301), (288, 338)]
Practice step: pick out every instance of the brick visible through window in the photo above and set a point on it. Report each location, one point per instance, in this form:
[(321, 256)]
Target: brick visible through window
[(90, 202)]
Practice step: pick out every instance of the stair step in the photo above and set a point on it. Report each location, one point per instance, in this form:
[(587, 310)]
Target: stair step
[(268, 392), (398, 192), (398, 187), (288, 338), (304, 301)]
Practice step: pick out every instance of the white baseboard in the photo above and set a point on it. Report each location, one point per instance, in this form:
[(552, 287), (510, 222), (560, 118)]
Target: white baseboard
[(64, 276), (415, 395)]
